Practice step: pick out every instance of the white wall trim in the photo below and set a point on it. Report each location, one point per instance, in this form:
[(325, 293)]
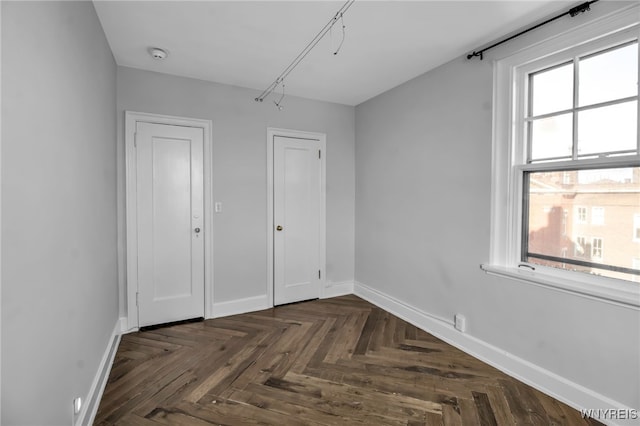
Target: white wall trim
[(322, 138), (124, 327), (241, 306), (92, 401), (131, 118), (560, 388), (331, 289)]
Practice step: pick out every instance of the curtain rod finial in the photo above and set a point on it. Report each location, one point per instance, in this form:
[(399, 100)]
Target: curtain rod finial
[(474, 54)]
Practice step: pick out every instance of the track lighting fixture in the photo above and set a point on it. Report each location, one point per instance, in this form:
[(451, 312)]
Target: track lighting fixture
[(279, 102), (327, 28)]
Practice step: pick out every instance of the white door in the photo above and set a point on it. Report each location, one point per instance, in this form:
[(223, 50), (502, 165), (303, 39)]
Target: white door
[(170, 223), (297, 191)]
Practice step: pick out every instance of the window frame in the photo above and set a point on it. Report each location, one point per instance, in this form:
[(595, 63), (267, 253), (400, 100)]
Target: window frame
[(597, 219), (597, 247), (579, 218), (509, 157)]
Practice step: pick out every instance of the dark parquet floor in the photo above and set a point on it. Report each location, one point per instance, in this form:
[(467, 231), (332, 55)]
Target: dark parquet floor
[(339, 361)]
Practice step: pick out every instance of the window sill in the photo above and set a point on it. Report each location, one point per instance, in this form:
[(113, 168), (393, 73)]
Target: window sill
[(613, 294)]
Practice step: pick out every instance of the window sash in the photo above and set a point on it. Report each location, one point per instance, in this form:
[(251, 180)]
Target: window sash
[(529, 119), (523, 100), (583, 215), (524, 143)]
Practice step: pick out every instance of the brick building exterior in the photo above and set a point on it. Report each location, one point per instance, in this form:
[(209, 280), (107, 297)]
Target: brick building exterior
[(591, 216)]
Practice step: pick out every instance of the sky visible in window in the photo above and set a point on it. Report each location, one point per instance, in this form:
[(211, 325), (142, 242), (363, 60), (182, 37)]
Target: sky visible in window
[(603, 77)]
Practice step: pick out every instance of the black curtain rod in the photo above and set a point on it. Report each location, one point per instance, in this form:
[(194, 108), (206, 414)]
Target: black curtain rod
[(573, 12)]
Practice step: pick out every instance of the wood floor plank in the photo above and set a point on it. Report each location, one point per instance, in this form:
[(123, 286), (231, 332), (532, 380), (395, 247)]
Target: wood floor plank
[(319, 333), (365, 337), (276, 360), (553, 409), (348, 392), (469, 413), (339, 361), (432, 419), (451, 415), (233, 413), (348, 339), (324, 411), (483, 407), (233, 368), (500, 407)]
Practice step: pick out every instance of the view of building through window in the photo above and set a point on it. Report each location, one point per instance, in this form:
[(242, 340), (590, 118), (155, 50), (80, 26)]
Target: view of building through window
[(585, 220)]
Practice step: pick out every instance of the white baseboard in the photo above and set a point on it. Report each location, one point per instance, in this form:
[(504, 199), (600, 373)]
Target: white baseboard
[(332, 289), (240, 306), (92, 402), (560, 388), (124, 326), (258, 303)]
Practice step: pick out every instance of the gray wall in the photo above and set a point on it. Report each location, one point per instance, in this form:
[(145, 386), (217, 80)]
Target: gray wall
[(239, 171), (59, 275), (423, 182)]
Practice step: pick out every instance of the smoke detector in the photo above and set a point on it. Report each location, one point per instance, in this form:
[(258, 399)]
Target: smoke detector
[(157, 53)]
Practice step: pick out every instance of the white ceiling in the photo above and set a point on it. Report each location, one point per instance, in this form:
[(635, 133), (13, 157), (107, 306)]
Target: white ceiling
[(249, 43)]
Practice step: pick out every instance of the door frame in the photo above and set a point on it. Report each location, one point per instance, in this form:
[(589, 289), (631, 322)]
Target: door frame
[(131, 118), (298, 134)]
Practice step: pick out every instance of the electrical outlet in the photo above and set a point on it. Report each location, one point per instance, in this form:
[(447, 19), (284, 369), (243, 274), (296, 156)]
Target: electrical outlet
[(77, 405), (217, 207), (460, 322)]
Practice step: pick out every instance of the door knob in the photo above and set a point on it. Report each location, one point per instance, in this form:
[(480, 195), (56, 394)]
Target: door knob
[(197, 230), (278, 228)]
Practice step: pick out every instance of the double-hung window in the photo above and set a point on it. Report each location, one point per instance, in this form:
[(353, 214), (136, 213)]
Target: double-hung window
[(567, 157)]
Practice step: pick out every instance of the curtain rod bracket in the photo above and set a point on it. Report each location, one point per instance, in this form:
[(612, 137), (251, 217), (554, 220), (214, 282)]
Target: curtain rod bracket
[(581, 8)]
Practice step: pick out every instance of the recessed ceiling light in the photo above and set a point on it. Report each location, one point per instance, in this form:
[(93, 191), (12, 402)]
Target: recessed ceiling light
[(157, 53)]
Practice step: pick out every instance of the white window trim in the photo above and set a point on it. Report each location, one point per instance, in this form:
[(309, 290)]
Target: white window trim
[(506, 205)]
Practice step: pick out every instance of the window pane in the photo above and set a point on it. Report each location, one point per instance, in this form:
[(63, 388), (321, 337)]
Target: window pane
[(552, 137), (584, 222), (608, 76), (597, 216), (552, 90), (608, 129)]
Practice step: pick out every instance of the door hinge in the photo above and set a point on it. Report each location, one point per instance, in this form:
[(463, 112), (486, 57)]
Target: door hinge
[(137, 298), (319, 154), (135, 140), (318, 273)]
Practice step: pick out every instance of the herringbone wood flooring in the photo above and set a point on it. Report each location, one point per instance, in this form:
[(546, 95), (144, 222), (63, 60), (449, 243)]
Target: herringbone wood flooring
[(339, 361)]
